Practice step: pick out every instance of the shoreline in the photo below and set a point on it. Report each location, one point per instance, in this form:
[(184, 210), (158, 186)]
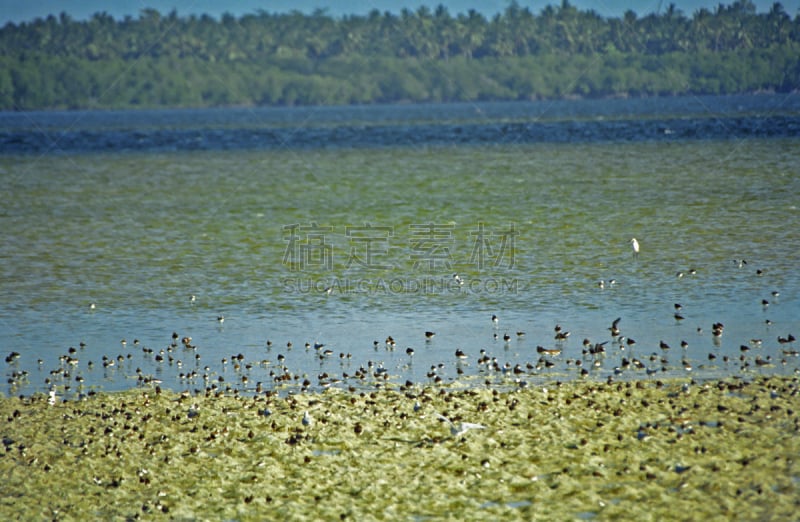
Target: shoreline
[(639, 449), (403, 103)]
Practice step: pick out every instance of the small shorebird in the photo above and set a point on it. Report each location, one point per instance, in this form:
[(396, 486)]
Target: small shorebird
[(597, 348), (716, 329), (614, 328), (545, 351)]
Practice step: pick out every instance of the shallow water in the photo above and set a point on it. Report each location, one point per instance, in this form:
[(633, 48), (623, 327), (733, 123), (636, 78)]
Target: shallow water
[(531, 228)]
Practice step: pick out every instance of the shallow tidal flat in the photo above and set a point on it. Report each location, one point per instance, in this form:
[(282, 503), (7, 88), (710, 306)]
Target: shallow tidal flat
[(643, 450)]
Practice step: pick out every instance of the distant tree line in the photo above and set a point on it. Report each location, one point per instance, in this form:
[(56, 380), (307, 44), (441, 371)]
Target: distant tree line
[(265, 58)]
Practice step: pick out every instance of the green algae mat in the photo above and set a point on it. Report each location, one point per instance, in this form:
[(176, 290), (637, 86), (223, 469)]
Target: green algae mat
[(646, 450)]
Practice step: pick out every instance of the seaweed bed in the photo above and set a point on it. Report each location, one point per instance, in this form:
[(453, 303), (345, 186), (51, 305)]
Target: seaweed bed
[(644, 450)]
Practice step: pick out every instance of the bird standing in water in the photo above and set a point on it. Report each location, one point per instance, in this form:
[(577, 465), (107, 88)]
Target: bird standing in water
[(635, 246)]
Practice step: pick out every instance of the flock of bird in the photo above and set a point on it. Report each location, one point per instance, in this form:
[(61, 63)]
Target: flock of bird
[(182, 361)]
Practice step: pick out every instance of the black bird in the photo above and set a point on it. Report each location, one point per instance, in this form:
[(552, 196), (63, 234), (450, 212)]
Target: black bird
[(614, 329), (597, 348), (716, 329)]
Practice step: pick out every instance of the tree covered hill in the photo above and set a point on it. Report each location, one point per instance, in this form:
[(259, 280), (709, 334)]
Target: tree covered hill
[(159, 60)]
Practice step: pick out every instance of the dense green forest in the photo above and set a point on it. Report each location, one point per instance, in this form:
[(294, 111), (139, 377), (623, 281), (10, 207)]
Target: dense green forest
[(264, 58)]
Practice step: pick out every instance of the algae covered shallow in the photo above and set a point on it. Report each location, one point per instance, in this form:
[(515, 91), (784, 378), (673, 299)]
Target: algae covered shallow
[(644, 450)]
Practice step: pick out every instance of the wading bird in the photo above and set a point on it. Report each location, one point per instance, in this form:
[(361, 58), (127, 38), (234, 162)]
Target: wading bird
[(457, 430), (635, 246)]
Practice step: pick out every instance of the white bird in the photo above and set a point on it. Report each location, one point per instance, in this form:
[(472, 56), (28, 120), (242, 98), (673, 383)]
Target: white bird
[(635, 246), (457, 430), (51, 399), (307, 420)]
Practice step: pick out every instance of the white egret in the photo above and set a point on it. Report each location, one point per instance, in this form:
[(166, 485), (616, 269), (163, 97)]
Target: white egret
[(457, 430), (635, 246)]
